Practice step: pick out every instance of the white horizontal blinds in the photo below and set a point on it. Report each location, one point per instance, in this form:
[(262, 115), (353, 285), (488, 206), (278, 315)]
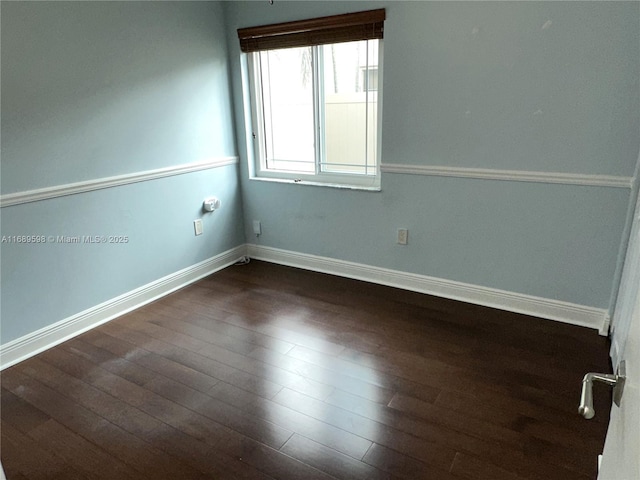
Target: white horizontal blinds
[(348, 27)]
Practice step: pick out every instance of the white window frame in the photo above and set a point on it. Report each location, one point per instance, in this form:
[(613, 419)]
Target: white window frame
[(257, 161)]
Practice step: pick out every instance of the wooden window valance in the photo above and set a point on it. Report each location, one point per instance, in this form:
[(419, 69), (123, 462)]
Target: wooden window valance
[(317, 31)]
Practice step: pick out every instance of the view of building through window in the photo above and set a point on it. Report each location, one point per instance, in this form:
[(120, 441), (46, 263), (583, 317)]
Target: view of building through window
[(319, 108)]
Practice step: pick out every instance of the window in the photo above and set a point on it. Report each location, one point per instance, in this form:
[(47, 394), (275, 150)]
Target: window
[(315, 99)]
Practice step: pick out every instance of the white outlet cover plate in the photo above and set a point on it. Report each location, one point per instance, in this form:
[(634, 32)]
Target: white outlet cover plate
[(403, 236), (197, 227)]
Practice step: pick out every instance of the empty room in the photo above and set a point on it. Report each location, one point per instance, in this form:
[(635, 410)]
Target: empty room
[(278, 239)]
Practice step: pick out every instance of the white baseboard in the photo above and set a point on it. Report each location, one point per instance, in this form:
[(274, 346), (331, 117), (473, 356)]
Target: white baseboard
[(31, 344), (571, 313), (47, 337)]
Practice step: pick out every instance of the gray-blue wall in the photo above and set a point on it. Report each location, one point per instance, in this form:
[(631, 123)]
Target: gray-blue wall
[(97, 89), (528, 86)]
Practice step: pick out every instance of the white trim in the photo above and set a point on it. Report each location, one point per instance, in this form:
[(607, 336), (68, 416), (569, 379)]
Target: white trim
[(289, 181), (108, 182), (33, 343), (574, 314), (511, 175), (47, 337)]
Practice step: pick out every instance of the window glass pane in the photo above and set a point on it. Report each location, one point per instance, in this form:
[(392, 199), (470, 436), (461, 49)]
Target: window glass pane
[(287, 90), (350, 106)]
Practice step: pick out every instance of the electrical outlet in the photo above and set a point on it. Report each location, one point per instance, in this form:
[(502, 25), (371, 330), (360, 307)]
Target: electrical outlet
[(403, 236), (257, 227), (197, 227)]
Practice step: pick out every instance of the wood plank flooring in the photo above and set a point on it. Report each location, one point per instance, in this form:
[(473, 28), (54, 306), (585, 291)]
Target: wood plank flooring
[(263, 371)]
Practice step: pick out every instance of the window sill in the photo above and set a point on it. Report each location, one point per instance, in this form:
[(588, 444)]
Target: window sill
[(343, 186)]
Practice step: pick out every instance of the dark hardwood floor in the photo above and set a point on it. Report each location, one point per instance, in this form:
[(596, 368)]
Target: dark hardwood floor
[(263, 371)]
